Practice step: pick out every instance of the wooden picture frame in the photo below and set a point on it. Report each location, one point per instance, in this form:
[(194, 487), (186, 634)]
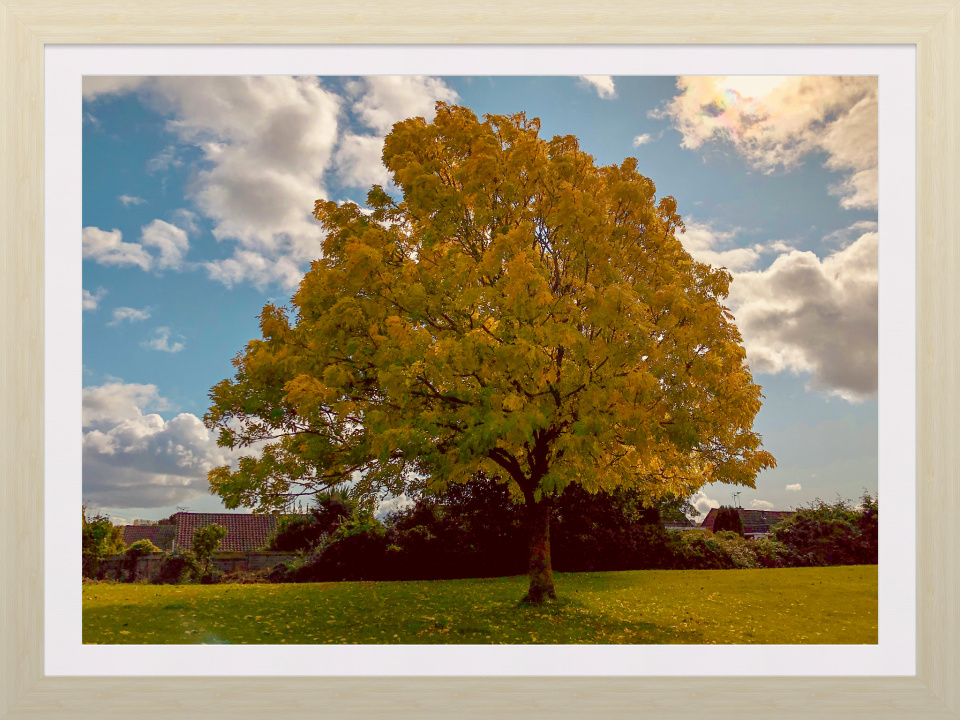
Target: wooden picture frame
[(26, 26)]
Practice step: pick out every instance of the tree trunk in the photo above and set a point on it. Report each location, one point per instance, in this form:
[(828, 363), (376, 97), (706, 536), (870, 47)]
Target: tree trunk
[(541, 569)]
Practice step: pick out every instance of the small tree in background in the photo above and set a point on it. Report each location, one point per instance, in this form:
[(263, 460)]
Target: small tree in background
[(100, 538), (206, 541), (728, 518), (294, 534), (330, 510)]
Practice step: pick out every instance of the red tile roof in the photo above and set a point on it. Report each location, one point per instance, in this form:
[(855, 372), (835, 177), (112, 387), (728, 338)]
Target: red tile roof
[(160, 535), (245, 533)]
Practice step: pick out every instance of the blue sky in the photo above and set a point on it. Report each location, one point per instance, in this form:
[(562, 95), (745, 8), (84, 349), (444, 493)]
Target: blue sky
[(197, 200)]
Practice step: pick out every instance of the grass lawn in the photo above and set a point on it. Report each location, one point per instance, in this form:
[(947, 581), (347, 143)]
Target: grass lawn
[(796, 605)]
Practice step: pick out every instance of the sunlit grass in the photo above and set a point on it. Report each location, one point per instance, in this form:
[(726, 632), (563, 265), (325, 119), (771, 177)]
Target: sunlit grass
[(797, 605)]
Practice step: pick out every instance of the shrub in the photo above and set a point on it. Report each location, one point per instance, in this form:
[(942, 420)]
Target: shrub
[(741, 553), (206, 540), (303, 533), (295, 533), (133, 553), (476, 530), (832, 534), (606, 531), (142, 547), (771, 553), (472, 530), (178, 567), (728, 518), (211, 577), (356, 551), (698, 549), (282, 573), (333, 508), (100, 538), (868, 547)]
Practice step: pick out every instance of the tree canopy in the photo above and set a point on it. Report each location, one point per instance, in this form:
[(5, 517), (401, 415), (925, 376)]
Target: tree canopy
[(520, 313)]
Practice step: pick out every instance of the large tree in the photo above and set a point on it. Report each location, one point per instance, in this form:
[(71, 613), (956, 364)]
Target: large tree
[(521, 313)]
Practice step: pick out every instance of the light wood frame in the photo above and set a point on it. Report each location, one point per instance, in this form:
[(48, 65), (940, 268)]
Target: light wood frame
[(933, 26)]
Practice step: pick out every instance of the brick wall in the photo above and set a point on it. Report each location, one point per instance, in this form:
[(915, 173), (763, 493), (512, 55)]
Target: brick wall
[(148, 566)]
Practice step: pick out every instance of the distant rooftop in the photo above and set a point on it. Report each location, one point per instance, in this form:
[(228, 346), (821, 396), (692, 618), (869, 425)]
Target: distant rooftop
[(245, 533), (755, 522), (160, 535)]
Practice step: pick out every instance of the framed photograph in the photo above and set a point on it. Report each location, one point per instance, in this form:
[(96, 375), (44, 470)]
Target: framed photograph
[(900, 669)]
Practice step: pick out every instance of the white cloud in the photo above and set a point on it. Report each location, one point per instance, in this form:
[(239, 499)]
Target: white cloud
[(132, 457), (130, 314), (116, 401), (94, 85), (129, 200), (394, 504), (794, 488), (186, 220), (603, 84), (776, 121), (761, 505), (703, 242), (108, 248), (805, 315), (359, 161), (164, 160), (381, 101), (161, 342), (249, 266), (170, 240), (845, 236), (703, 503), (715, 247), (801, 314), (776, 246), (642, 139), (266, 142), (91, 300)]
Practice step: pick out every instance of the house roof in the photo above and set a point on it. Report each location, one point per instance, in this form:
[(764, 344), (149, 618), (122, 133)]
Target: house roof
[(160, 535), (245, 533), (755, 522)]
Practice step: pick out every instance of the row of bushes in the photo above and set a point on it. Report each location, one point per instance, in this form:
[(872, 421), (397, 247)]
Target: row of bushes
[(477, 531)]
